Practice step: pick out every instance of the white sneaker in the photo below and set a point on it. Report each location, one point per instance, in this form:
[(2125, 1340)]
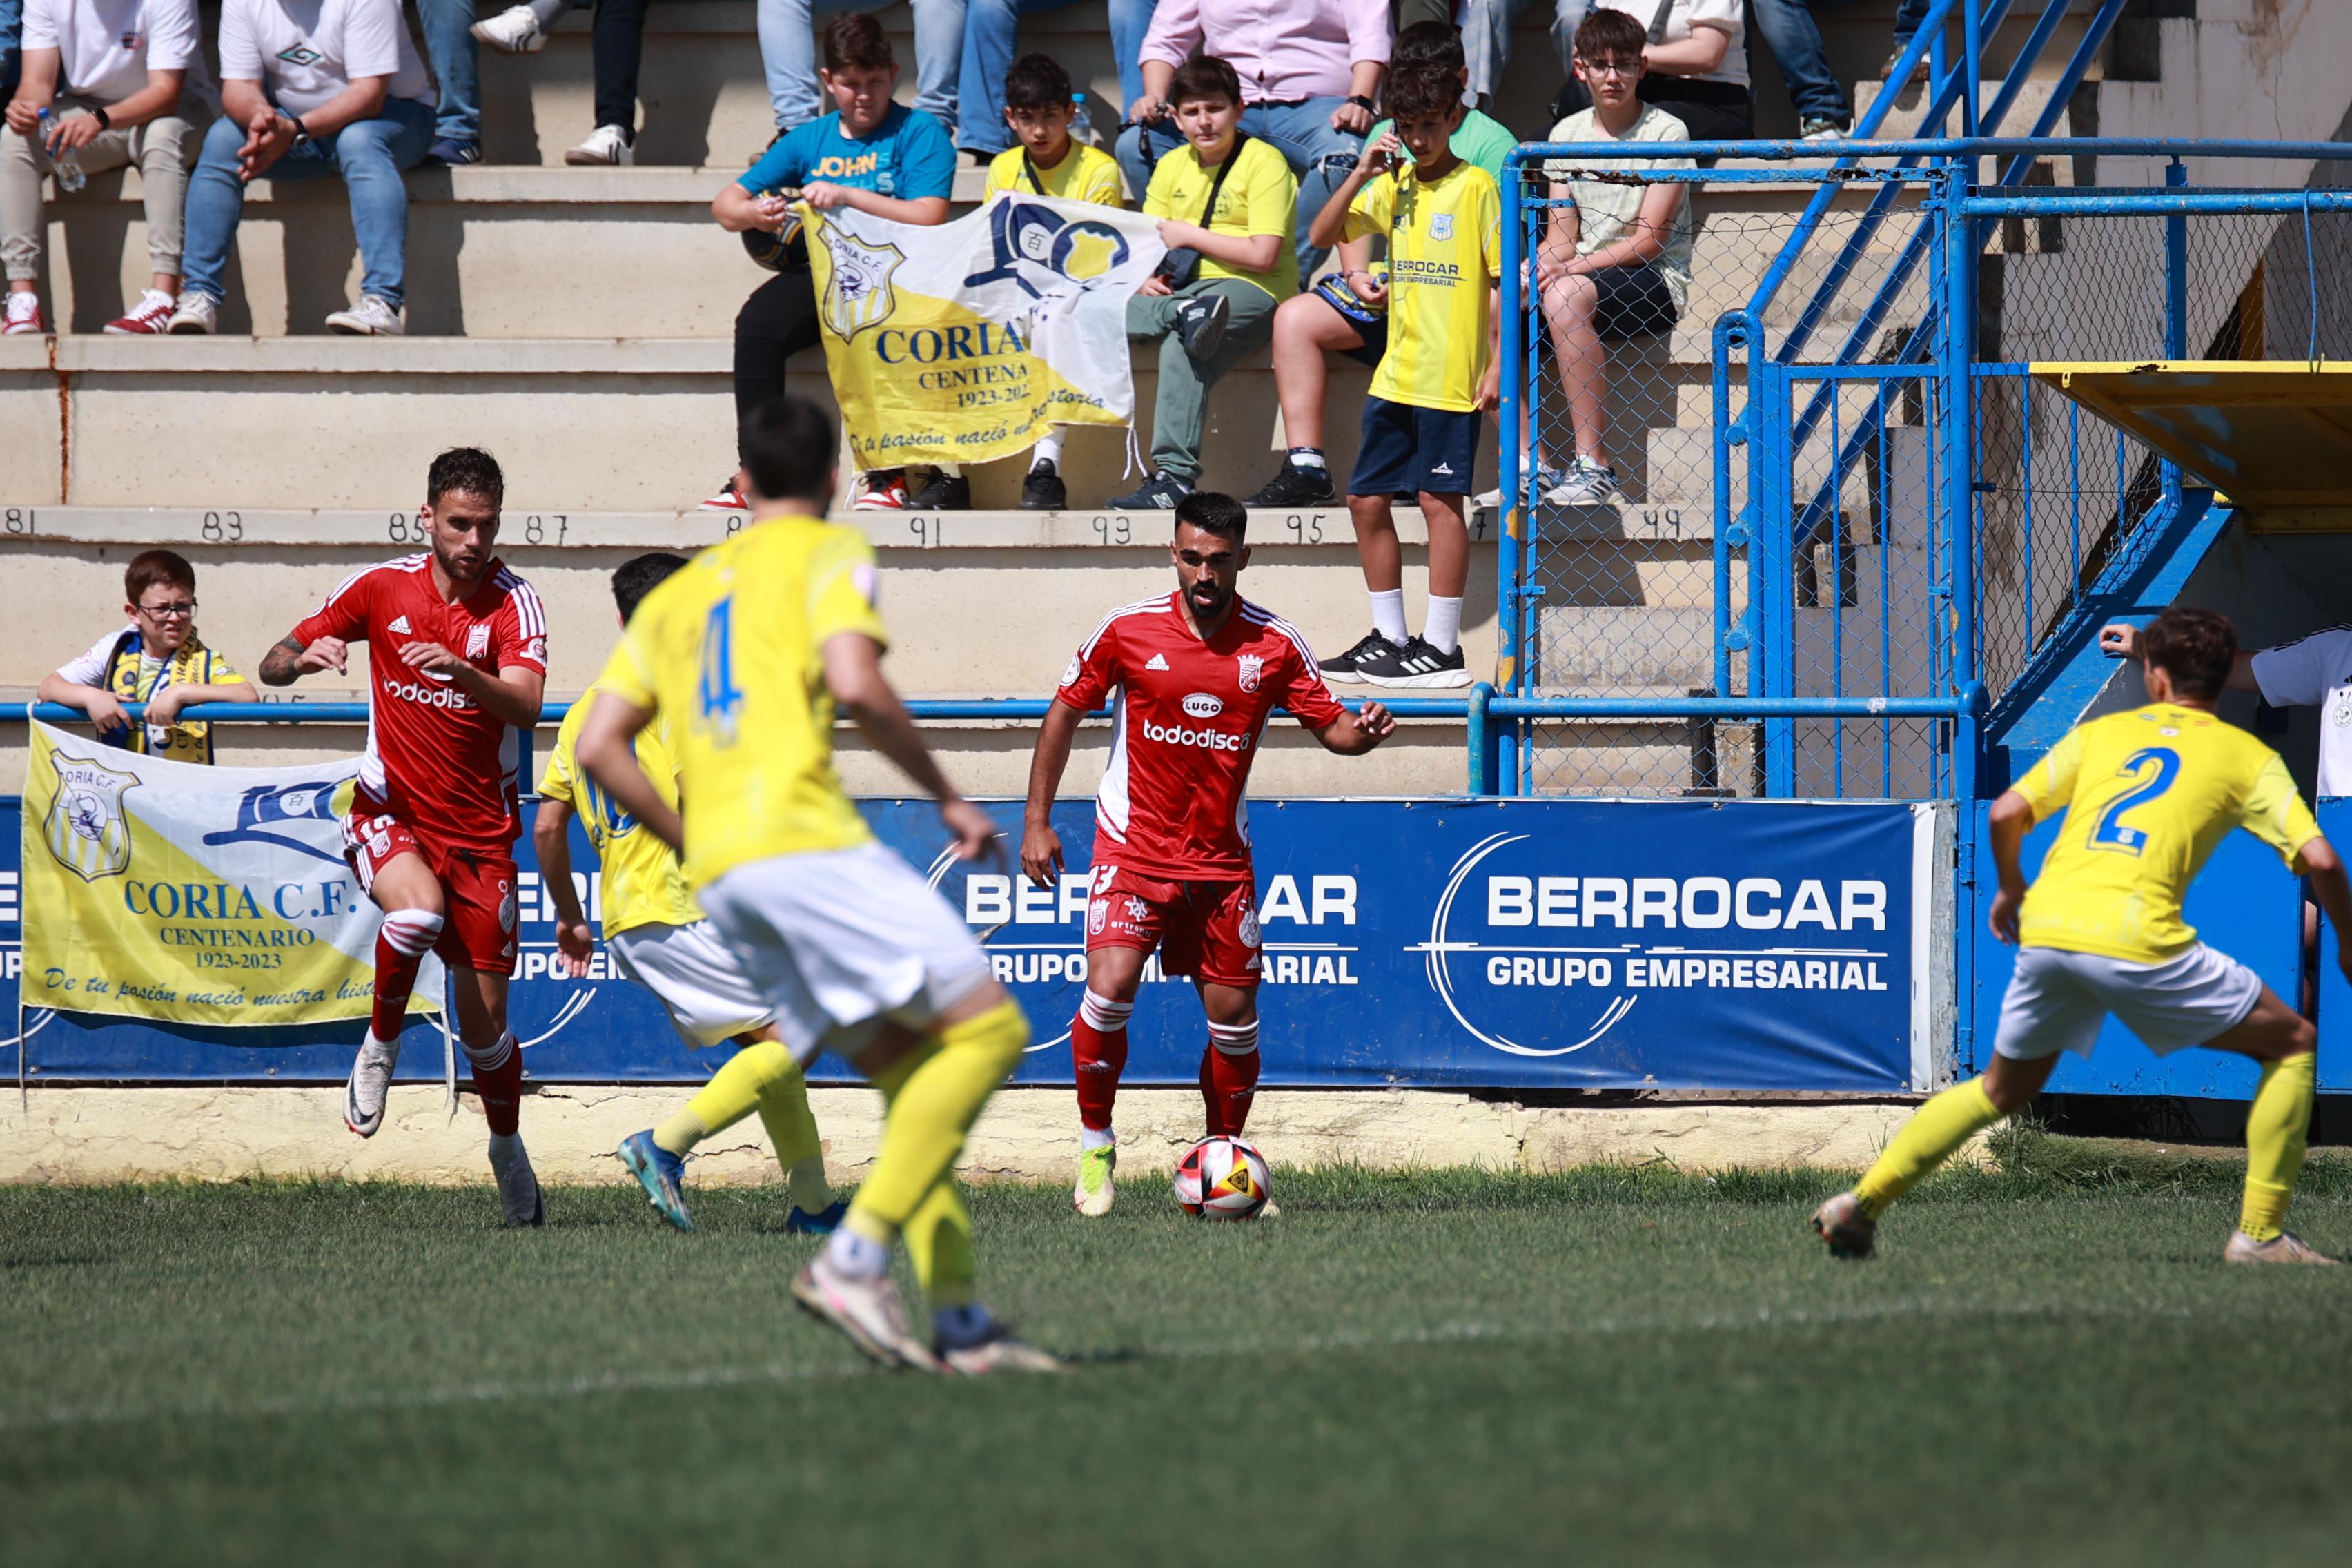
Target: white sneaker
[(1587, 483), (1547, 478), (514, 31), (518, 1194), (868, 1310), (1093, 1193), (149, 318), (23, 315), (2284, 1248), (606, 144), (197, 314), (372, 317), (370, 1084)]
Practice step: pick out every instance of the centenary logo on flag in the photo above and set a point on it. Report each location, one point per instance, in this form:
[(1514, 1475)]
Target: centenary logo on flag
[(84, 828), (858, 295)]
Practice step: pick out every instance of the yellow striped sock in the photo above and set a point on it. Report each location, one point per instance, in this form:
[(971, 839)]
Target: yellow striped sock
[(1926, 1141), (2278, 1126)]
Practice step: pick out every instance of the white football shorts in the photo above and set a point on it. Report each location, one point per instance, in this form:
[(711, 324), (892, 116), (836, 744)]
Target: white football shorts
[(698, 978), (838, 940), (2057, 1000)]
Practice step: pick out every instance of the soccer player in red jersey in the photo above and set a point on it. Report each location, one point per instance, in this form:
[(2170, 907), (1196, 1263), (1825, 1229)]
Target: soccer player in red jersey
[(1197, 673), (457, 663)]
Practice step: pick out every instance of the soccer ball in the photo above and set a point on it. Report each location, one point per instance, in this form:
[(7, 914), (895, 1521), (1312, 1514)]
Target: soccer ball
[(1222, 1178)]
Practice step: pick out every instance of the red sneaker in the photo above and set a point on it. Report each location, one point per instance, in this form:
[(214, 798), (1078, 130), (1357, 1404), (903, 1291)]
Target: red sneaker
[(147, 318), (885, 490), (728, 498)]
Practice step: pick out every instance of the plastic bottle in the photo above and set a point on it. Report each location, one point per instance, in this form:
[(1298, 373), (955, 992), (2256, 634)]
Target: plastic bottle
[(69, 167), (1082, 125)]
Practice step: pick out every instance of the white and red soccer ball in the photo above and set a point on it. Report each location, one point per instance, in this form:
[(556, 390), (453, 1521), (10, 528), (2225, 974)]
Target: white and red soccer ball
[(1222, 1178)]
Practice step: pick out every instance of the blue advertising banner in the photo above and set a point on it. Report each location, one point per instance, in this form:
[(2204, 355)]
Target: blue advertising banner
[(2245, 903), (1468, 943)]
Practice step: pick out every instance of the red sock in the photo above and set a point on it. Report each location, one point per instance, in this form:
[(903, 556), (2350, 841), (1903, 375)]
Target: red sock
[(1098, 1051), (497, 1079), (401, 944), (1229, 1077)]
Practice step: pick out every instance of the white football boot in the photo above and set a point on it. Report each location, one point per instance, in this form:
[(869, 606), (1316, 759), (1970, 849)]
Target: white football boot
[(518, 1194), (2284, 1248), (1841, 1223), (999, 1351), (1093, 1193), (370, 1085), (868, 1310)]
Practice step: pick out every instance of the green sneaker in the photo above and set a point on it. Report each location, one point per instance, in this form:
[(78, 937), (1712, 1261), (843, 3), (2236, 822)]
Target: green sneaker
[(1093, 1193)]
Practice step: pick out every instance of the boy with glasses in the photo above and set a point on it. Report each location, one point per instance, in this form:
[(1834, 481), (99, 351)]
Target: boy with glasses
[(158, 659)]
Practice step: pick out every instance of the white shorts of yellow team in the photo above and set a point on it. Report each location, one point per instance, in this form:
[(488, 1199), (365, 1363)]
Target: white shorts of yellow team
[(695, 976), (837, 940), (2057, 1000)]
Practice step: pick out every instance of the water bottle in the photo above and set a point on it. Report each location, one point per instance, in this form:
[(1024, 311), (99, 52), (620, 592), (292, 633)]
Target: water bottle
[(1082, 125), (69, 167)]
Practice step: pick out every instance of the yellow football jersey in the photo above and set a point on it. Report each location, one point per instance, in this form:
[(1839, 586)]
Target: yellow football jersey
[(1260, 196), (730, 651), (2147, 795), (1445, 257), (643, 884), (1085, 175)]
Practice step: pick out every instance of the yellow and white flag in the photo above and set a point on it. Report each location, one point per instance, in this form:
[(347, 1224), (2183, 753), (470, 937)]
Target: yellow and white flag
[(198, 895), (967, 341)]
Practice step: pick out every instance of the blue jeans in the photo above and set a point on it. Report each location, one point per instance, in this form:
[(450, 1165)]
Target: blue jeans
[(1486, 38), (457, 68), (990, 39), (1787, 29), (1302, 132), (788, 50), (368, 154), (1909, 19)]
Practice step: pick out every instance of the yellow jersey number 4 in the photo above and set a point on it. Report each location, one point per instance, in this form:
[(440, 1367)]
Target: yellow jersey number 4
[(2154, 768), (717, 698)]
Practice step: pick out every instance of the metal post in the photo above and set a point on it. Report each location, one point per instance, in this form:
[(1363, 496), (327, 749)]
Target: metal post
[(1972, 62), (2176, 311), (1481, 738), (1955, 353), (1771, 580), (1515, 415)]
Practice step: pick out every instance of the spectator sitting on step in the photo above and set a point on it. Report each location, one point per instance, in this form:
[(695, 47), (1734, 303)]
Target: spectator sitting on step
[(456, 72), (787, 52), (1614, 262), (618, 43), (105, 83), (306, 93), (1693, 66), (1346, 313), (1225, 203), (157, 659), (1442, 216), (869, 153), (1039, 105), (991, 31), (1308, 73)]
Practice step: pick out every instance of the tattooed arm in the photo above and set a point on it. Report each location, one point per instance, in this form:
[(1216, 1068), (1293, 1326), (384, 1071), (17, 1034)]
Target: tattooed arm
[(290, 660)]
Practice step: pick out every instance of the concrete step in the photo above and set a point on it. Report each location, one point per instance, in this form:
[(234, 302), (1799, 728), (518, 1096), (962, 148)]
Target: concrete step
[(1624, 650), (1906, 117)]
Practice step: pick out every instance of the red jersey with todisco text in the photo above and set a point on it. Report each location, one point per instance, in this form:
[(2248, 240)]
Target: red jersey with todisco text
[(1186, 718), (435, 758)]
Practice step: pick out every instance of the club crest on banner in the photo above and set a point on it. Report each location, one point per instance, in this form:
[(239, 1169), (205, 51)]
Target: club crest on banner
[(859, 294), (85, 827)]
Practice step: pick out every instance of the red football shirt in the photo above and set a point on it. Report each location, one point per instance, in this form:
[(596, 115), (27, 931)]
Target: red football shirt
[(435, 757), (1184, 729)]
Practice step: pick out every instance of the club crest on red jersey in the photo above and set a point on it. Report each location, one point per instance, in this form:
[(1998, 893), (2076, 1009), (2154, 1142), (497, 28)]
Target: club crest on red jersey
[(1252, 669), (478, 640)]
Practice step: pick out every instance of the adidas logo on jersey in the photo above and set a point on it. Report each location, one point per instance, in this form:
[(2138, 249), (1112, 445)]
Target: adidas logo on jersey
[(400, 624), (1157, 661)]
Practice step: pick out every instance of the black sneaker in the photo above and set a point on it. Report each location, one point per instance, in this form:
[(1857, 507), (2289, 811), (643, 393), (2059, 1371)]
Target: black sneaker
[(1371, 647), (1417, 665), (1201, 324), (1043, 490), (946, 492), (1160, 493), (1296, 485)]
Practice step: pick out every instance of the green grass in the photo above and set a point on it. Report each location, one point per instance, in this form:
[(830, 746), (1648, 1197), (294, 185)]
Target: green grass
[(2047, 1363)]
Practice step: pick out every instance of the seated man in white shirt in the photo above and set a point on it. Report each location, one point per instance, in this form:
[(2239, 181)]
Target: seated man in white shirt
[(310, 87), (105, 83)]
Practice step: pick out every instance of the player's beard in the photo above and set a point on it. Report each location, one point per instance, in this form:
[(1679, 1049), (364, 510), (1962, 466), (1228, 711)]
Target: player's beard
[(1208, 599), (461, 568)]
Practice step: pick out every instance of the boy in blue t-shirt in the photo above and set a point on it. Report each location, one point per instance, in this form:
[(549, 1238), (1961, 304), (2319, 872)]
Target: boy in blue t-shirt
[(870, 153)]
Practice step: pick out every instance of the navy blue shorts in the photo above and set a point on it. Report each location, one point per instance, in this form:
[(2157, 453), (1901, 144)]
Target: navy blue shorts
[(1410, 449)]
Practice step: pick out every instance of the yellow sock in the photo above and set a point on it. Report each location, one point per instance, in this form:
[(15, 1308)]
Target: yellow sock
[(2278, 1124), (792, 1128), (934, 1095), (732, 1093), (939, 1241), (1927, 1141)]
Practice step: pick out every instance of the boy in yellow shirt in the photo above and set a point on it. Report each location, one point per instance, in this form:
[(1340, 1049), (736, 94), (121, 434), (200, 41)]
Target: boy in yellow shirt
[(1045, 160), (1228, 206), (1443, 217), (2147, 795)]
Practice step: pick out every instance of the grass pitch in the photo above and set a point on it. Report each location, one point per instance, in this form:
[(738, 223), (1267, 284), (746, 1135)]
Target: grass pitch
[(2047, 1363)]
